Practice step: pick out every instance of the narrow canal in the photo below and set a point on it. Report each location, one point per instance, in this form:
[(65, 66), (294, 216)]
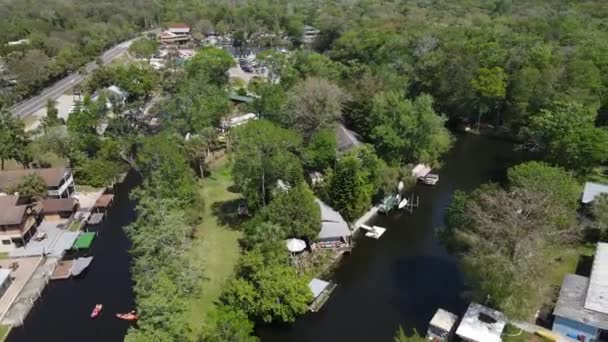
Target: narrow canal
[(62, 313), (402, 278)]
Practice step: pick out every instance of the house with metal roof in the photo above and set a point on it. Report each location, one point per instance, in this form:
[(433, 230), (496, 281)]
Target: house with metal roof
[(581, 312), (481, 324), (334, 229)]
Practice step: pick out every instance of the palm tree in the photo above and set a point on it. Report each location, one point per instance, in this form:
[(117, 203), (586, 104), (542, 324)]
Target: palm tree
[(199, 147)]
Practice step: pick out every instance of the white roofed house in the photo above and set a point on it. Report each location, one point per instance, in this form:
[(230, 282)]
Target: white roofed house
[(481, 324), (581, 312), (334, 229)]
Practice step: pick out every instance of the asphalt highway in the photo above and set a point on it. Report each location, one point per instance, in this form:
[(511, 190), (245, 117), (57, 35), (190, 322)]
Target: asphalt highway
[(53, 92)]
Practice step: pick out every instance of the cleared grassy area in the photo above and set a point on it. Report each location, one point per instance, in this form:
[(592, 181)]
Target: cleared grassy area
[(4, 330), (514, 334), (215, 244), (566, 260)]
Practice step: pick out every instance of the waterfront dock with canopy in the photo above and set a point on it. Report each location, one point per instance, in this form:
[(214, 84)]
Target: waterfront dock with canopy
[(321, 290), (103, 202), (84, 240)]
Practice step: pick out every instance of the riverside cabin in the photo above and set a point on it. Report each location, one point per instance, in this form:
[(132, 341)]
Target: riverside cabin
[(335, 232), (581, 312)]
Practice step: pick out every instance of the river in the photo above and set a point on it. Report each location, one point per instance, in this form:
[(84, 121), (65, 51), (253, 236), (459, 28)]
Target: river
[(402, 278), (62, 313)]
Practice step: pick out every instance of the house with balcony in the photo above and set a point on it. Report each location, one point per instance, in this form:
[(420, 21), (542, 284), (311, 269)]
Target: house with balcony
[(59, 181), (175, 33), (18, 222)]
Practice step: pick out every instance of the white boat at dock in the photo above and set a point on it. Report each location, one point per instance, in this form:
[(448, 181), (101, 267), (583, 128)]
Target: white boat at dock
[(403, 203)]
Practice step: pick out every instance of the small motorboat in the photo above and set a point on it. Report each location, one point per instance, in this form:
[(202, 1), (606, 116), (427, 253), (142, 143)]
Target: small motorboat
[(130, 316), (96, 310)]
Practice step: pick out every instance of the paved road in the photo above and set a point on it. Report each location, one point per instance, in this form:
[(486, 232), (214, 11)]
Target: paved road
[(34, 103)]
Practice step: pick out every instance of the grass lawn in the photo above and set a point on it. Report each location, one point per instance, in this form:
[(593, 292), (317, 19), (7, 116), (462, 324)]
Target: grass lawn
[(216, 243), (514, 334), (568, 261), (4, 330)]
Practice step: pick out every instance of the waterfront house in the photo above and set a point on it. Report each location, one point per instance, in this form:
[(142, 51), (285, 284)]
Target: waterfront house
[(58, 209), (481, 324), (309, 34), (59, 181), (581, 311), (18, 222), (334, 229), (592, 190)]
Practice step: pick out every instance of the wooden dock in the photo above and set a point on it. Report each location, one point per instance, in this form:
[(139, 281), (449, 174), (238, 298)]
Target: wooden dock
[(62, 270)]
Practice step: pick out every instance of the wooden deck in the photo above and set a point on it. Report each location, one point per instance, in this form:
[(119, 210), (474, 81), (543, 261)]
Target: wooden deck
[(62, 270)]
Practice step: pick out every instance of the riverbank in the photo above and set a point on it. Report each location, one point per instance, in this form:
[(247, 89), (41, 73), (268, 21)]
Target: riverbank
[(215, 242), (63, 311)]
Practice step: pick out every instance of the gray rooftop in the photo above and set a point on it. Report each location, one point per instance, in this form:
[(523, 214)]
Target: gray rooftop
[(593, 190), (444, 320), (346, 139), (332, 223), (317, 286), (481, 324), (597, 294), (571, 301)]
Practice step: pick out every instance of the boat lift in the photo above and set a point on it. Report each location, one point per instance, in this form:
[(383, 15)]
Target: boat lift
[(409, 203), (374, 232)]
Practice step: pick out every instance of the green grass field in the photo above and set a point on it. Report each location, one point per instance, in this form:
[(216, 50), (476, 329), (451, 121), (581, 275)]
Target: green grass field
[(4, 330), (216, 244)]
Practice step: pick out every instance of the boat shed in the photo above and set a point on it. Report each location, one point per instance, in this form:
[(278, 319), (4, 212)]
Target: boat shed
[(84, 241), (333, 226), (103, 202), (481, 324), (592, 190), (581, 311)]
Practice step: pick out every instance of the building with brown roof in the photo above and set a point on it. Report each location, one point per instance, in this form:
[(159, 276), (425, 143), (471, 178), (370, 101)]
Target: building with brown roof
[(59, 181), (18, 222), (175, 33), (58, 209)]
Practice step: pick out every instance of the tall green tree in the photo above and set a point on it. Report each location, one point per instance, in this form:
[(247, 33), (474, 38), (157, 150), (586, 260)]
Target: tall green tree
[(408, 131), (567, 134), (32, 186), (296, 212), (268, 288), (312, 105), (13, 138), (263, 154), (491, 85)]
